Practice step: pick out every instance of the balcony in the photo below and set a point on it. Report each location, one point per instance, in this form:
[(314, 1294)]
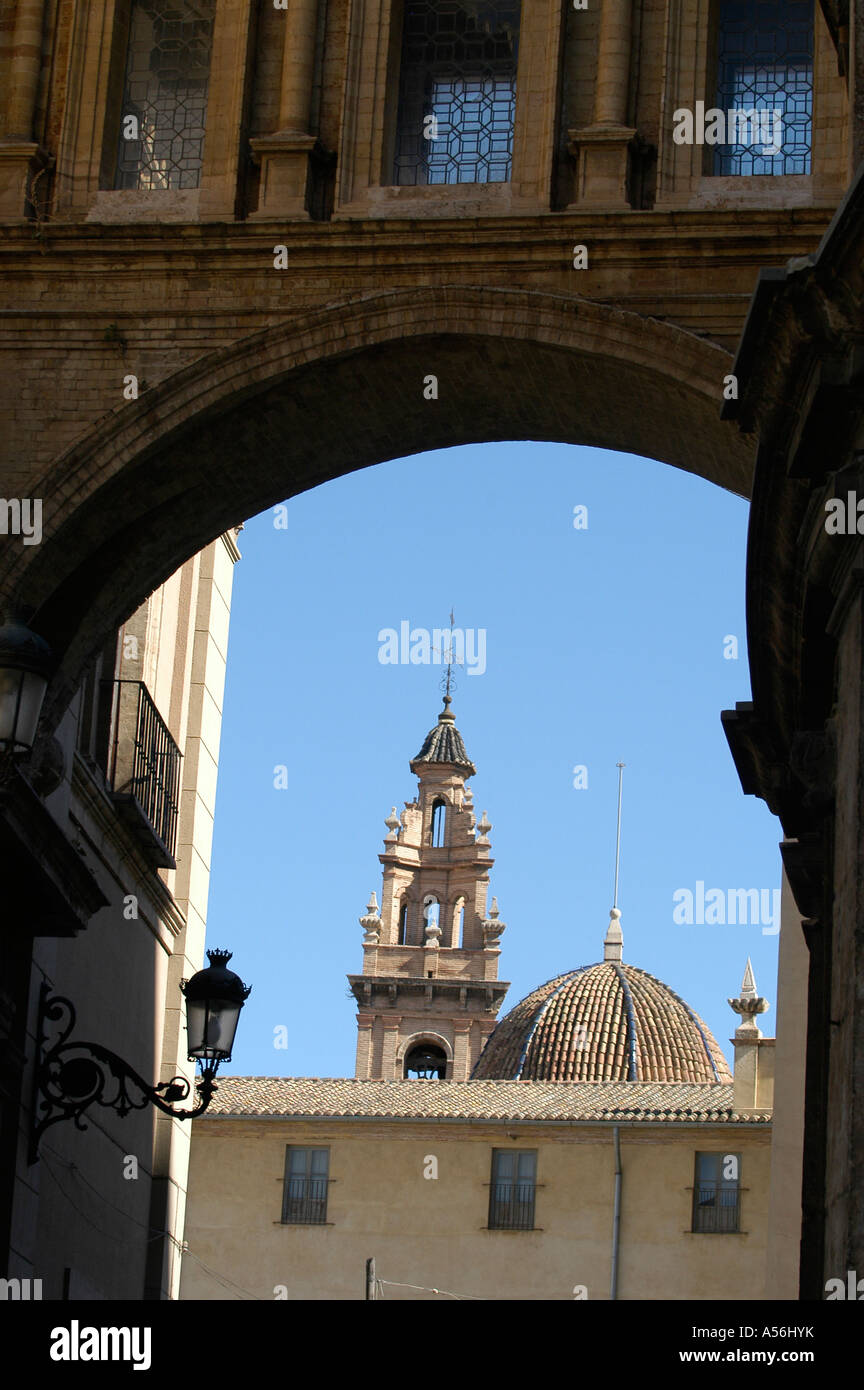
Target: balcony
[(716, 1209), (511, 1206), (305, 1202), (144, 772)]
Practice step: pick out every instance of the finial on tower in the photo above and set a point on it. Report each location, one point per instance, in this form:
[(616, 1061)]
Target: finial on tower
[(748, 1004), (613, 942), (448, 682)]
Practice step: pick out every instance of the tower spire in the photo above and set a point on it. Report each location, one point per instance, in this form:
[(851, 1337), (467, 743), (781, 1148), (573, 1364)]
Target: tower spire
[(613, 943), (449, 678)]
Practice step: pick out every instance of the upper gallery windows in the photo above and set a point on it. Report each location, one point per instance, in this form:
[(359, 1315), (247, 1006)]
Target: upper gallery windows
[(165, 94), (457, 92), (765, 86)]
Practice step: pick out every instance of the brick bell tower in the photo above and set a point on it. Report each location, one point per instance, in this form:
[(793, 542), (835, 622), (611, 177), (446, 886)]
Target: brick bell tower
[(429, 994)]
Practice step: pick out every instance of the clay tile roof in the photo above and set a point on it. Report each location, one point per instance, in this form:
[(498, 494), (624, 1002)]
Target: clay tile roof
[(444, 744), (605, 1022), (345, 1098)]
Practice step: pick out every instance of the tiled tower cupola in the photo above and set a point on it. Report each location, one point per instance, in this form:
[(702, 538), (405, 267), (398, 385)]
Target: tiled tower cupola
[(429, 993)]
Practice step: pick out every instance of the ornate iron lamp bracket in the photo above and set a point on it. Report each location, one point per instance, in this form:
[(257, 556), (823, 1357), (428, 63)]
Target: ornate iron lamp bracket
[(70, 1076)]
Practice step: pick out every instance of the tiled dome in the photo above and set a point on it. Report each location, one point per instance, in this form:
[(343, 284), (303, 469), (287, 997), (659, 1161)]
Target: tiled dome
[(605, 1022), (444, 743)]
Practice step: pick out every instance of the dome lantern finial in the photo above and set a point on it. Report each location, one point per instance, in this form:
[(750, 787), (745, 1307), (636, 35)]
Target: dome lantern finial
[(613, 942)]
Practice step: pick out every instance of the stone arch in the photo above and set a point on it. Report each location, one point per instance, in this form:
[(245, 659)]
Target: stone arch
[(338, 389)]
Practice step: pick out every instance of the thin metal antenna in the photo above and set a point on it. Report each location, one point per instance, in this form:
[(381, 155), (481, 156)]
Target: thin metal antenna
[(620, 767)]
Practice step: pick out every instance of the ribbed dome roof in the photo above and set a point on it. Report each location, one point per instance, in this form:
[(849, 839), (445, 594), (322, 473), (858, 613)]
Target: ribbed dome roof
[(605, 1022), (444, 744)]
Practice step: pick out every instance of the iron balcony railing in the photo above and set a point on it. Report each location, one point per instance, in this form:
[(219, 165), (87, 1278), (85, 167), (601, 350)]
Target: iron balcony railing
[(305, 1202), (145, 767), (715, 1208), (511, 1206)]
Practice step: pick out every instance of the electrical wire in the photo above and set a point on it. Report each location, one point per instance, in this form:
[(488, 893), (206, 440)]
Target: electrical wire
[(443, 1293)]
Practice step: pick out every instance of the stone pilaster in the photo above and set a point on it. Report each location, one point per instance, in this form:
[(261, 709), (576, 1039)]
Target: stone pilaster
[(461, 1050), (284, 155), (20, 155), (363, 1069), (388, 1054), (601, 150)]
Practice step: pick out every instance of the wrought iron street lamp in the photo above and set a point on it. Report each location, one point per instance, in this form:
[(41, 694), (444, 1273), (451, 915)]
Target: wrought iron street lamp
[(70, 1076), (25, 665)]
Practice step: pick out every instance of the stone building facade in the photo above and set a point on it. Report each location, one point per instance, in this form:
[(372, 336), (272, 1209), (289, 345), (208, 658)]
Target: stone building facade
[(233, 278), (131, 786), (441, 1226)]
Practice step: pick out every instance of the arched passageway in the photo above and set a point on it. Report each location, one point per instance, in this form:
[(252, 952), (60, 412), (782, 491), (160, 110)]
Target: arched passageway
[(341, 389)]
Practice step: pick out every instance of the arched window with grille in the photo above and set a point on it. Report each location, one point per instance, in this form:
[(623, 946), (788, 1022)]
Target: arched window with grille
[(403, 923), (165, 94)]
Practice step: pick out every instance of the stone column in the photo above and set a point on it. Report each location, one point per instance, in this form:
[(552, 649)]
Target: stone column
[(601, 150), (613, 64), (284, 156), (20, 154)]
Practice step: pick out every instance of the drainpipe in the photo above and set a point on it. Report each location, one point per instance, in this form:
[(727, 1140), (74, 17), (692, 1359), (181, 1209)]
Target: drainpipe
[(616, 1217)]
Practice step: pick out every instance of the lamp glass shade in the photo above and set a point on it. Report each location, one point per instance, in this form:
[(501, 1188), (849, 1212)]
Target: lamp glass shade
[(211, 1025), (21, 696)]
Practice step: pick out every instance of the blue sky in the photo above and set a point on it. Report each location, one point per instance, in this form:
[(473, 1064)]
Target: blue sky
[(602, 644)]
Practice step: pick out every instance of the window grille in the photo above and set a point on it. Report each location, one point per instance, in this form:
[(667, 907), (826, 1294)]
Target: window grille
[(304, 1199), (765, 70), (716, 1198), (165, 94), (457, 95), (512, 1190)]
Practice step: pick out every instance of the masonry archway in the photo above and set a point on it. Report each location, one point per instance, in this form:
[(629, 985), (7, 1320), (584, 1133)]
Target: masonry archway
[(341, 389)]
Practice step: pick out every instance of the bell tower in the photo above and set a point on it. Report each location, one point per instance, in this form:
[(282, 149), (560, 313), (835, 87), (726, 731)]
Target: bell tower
[(429, 993)]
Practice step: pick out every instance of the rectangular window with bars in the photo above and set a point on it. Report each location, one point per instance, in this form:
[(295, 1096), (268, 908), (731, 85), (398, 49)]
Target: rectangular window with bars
[(457, 92), (165, 94), (304, 1197), (765, 70), (717, 1193), (512, 1190)]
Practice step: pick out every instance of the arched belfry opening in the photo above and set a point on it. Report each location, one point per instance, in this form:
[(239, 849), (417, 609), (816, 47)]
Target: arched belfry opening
[(439, 823), (425, 1061)]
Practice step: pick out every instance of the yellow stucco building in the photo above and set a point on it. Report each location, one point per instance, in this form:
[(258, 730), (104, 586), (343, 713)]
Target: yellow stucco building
[(592, 1144)]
